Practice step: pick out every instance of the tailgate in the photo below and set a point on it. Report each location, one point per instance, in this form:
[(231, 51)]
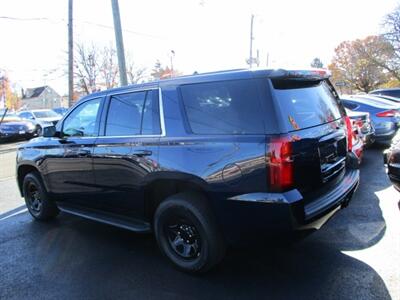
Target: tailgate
[(314, 120)]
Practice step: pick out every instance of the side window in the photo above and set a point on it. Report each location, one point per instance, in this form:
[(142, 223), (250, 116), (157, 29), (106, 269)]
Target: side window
[(151, 114), (133, 114), (82, 121), (26, 115), (224, 107)]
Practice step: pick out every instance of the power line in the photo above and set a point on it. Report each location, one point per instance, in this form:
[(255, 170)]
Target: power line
[(62, 20), (24, 19)]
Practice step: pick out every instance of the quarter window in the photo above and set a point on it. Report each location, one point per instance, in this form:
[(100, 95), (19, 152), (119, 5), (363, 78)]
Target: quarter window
[(82, 121), (133, 114), (225, 107)]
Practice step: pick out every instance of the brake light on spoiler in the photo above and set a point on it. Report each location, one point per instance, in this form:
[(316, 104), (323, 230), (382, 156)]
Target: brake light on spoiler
[(311, 74)]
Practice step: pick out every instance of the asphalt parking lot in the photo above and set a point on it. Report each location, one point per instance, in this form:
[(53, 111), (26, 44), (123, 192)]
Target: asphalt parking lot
[(355, 256)]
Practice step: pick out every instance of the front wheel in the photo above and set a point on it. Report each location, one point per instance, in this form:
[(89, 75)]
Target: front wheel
[(37, 201), (187, 233)]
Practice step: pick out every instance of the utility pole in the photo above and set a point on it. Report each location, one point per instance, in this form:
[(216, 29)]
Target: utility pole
[(70, 55), (119, 43), (251, 42)]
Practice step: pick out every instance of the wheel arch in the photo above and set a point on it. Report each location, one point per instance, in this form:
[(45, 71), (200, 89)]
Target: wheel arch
[(22, 171), (168, 184)]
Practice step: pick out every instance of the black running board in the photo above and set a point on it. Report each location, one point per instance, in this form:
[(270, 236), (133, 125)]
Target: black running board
[(111, 219)]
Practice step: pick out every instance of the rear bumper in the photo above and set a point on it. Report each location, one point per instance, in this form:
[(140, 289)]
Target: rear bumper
[(385, 137), (262, 214)]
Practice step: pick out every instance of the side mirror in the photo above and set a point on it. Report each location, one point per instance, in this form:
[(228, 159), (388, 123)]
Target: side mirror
[(49, 131)]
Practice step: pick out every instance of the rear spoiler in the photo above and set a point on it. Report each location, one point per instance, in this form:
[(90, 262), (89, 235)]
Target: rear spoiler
[(312, 74)]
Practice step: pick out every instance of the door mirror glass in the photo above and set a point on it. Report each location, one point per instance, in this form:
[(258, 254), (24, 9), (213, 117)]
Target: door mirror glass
[(49, 131)]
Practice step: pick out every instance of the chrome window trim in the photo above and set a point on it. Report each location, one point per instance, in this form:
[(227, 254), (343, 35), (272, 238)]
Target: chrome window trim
[(161, 115)]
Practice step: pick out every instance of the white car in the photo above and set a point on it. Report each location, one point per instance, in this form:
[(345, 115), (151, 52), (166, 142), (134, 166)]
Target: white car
[(41, 117)]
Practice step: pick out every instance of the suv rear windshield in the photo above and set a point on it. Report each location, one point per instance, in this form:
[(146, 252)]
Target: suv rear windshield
[(305, 104), (224, 107)]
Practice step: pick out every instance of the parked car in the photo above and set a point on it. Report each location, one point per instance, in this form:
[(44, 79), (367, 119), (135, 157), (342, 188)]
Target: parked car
[(390, 98), (60, 110), (13, 127), (385, 115), (41, 117), (391, 158), (357, 144), (203, 161), (364, 128), (393, 92)]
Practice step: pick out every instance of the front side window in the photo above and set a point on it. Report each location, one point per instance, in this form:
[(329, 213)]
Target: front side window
[(224, 107), (26, 115), (82, 121), (133, 114)]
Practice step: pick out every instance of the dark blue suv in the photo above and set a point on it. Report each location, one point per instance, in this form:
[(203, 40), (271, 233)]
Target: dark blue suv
[(203, 161)]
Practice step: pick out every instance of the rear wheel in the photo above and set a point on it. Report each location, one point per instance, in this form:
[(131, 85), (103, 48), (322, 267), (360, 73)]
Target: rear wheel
[(36, 198), (187, 233)]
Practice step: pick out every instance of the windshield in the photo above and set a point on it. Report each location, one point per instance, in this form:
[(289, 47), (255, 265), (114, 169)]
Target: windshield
[(45, 114), (10, 117), (305, 103)]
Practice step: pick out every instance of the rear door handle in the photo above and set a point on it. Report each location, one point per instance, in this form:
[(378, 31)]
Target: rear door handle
[(142, 153)]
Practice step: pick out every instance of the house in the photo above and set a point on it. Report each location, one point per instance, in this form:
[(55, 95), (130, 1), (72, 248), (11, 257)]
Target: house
[(40, 97)]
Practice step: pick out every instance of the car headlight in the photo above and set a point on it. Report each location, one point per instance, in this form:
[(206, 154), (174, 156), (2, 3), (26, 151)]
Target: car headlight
[(30, 126)]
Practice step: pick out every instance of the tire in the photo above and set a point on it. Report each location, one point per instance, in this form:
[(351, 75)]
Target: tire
[(36, 198), (184, 221)]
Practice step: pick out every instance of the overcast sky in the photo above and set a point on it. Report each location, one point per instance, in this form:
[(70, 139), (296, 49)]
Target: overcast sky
[(206, 35)]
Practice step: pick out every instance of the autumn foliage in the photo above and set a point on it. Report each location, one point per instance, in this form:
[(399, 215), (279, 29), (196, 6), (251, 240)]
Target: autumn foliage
[(353, 67)]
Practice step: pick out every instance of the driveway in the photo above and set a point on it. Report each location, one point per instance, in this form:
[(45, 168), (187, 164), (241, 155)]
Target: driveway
[(355, 256)]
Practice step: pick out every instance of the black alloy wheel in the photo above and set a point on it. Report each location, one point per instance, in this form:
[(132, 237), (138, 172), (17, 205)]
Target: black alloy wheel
[(37, 200), (187, 233), (183, 238), (33, 198)]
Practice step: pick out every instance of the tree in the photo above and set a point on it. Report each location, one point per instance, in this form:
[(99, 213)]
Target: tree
[(108, 68), (391, 60), (11, 98), (97, 68), (161, 72), (317, 63), (135, 74), (86, 65), (353, 66)]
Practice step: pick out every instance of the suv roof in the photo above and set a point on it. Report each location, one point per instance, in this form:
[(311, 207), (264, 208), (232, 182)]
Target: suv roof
[(309, 74)]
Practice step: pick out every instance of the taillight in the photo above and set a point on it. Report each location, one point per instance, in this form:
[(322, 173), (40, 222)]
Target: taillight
[(280, 164), (359, 123), (349, 133), (387, 113)]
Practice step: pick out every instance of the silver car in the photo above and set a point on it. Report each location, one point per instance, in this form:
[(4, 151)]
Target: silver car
[(41, 118)]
